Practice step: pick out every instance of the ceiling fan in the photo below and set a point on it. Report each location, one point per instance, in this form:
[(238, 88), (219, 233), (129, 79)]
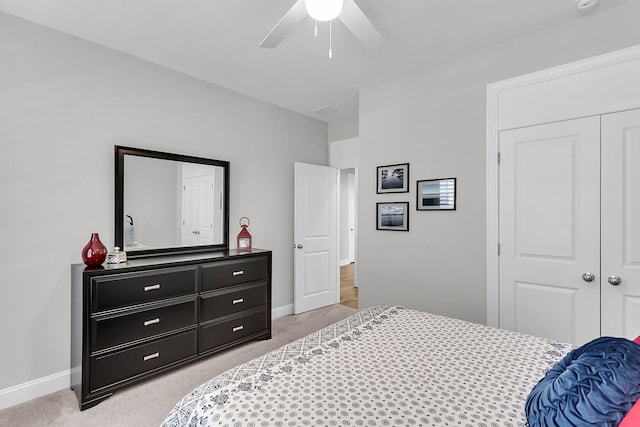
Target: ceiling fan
[(351, 16)]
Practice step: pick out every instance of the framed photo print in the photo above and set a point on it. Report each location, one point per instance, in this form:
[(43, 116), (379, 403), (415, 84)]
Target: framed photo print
[(392, 216), (393, 178), (436, 195)]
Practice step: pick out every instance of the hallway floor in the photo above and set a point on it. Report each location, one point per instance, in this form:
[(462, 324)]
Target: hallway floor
[(348, 291)]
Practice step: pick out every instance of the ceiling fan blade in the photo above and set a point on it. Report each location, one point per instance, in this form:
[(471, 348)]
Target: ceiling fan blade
[(287, 23), (358, 23)]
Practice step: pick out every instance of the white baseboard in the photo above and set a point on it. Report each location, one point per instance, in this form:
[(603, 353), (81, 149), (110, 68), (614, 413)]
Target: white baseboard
[(344, 261), (36, 388), (282, 311), (55, 382)]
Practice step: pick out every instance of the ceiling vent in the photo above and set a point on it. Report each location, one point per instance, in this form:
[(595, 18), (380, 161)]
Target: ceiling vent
[(323, 111), (585, 5)]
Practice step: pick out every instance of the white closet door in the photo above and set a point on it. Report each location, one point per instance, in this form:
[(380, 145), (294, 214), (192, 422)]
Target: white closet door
[(550, 230), (621, 224)]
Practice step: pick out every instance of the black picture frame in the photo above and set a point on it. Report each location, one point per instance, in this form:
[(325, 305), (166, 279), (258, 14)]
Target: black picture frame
[(436, 194), (393, 178), (392, 216)]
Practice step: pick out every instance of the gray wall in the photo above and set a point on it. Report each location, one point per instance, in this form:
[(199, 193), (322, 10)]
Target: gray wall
[(343, 129), (435, 119), (64, 104)]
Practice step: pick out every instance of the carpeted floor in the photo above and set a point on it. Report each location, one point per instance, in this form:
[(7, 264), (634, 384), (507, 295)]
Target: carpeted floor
[(147, 403)]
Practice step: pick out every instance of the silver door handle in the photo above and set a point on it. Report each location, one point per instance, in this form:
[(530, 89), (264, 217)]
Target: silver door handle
[(614, 280), (588, 277), (299, 246)]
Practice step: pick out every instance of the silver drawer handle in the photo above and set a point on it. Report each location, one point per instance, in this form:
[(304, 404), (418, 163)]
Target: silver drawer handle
[(238, 301), (238, 273), (152, 321), (238, 328), (151, 356), (152, 287)]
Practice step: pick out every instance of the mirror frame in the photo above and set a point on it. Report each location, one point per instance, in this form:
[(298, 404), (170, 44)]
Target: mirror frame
[(120, 153)]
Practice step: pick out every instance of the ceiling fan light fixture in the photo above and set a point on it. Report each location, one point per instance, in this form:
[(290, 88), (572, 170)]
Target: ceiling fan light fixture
[(323, 10)]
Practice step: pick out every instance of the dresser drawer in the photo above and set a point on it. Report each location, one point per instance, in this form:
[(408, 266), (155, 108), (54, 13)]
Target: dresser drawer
[(127, 364), (219, 334), (115, 330), (233, 272), (119, 290), (232, 301)]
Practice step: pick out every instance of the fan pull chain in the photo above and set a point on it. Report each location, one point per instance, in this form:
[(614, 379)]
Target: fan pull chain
[(330, 51), (315, 34)]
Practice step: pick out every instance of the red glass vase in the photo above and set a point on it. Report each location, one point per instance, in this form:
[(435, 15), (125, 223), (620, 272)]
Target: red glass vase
[(94, 253)]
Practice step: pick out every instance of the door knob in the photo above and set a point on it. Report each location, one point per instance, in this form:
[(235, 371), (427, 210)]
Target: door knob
[(299, 246), (588, 277), (614, 280)]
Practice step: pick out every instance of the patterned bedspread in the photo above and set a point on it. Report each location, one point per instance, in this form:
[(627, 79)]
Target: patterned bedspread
[(384, 365)]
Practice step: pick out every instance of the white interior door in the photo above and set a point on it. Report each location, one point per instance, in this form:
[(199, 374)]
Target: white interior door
[(352, 217), (549, 230), (316, 275), (621, 224)]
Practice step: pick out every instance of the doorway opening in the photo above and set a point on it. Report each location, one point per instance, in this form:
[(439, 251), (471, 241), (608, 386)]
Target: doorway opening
[(347, 220)]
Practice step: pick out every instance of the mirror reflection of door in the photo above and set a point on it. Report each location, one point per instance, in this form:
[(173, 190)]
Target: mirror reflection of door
[(201, 196)]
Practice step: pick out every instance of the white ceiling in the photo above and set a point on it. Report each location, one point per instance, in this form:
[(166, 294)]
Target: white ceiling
[(217, 40)]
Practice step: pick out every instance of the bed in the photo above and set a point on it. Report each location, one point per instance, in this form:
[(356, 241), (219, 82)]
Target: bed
[(384, 365)]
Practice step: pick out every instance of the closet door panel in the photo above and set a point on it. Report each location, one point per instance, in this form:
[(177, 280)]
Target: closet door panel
[(621, 223), (549, 230)]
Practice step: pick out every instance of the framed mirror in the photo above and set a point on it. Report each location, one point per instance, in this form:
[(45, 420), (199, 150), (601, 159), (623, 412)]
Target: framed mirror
[(170, 203)]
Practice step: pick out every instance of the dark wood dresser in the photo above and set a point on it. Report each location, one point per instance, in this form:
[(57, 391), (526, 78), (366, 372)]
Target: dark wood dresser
[(134, 320)]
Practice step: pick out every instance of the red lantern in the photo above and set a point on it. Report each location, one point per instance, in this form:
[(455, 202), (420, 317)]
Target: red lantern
[(244, 237)]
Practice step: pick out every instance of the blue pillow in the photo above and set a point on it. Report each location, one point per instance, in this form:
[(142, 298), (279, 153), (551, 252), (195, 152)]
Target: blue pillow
[(595, 384)]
